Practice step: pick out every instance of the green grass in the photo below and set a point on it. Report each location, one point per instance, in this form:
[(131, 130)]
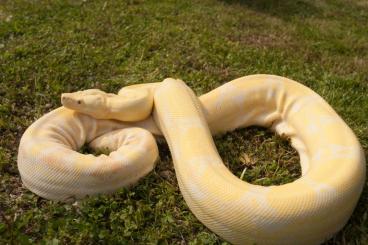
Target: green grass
[(50, 47)]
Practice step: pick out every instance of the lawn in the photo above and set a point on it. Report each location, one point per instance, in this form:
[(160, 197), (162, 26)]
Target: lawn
[(49, 47)]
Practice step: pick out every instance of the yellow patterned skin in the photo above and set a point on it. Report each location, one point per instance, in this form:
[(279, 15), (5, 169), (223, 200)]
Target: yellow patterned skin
[(306, 211)]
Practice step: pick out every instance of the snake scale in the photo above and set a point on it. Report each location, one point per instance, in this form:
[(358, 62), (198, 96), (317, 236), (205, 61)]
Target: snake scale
[(307, 211)]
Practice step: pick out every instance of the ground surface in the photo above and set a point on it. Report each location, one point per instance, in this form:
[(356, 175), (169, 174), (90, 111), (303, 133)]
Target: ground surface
[(49, 47)]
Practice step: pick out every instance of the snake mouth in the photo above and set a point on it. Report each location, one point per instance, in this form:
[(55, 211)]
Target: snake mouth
[(68, 101)]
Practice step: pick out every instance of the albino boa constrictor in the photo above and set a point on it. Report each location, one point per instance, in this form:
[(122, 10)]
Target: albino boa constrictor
[(306, 211)]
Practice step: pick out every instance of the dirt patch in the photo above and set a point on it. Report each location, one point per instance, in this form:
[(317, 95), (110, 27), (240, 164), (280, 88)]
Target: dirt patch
[(5, 17)]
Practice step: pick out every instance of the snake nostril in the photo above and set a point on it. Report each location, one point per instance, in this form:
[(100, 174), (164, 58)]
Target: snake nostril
[(64, 98), (79, 102)]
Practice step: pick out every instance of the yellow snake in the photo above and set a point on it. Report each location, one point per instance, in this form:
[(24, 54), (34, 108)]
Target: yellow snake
[(306, 211)]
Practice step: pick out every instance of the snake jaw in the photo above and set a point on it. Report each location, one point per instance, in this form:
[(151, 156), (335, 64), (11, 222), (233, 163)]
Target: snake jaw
[(130, 105), (90, 102), (72, 101)]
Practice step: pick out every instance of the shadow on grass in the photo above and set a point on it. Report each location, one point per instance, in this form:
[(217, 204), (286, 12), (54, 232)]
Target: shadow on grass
[(284, 9)]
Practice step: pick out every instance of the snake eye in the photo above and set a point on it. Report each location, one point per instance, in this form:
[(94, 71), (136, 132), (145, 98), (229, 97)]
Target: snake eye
[(79, 102)]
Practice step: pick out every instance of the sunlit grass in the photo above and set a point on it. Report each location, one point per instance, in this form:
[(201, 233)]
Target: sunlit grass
[(50, 47)]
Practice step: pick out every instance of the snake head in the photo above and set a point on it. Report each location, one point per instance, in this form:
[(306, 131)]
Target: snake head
[(91, 102)]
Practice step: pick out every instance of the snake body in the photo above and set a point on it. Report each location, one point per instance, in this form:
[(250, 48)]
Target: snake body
[(306, 211)]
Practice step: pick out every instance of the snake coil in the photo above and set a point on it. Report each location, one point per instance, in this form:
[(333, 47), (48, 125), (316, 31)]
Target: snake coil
[(306, 211)]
